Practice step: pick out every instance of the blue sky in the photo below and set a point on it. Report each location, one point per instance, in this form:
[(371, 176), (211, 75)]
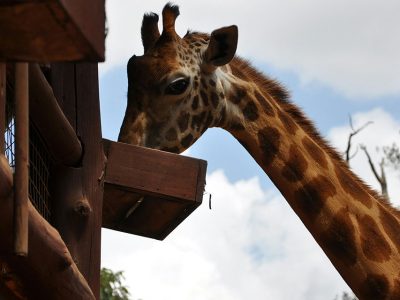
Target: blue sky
[(337, 59)]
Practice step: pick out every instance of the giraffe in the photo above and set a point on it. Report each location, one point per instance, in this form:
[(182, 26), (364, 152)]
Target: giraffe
[(181, 87)]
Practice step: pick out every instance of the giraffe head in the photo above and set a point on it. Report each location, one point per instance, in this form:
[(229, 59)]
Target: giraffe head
[(174, 93)]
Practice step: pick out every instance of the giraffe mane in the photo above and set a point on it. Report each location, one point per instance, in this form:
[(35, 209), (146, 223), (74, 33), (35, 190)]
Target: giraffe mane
[(243, 68)]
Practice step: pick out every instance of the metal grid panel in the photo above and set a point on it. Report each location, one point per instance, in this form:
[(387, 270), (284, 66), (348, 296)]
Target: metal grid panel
[(39, 163)]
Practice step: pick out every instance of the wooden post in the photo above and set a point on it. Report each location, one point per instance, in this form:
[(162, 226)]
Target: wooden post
[(2, 106), (21, 160), (79, 220)]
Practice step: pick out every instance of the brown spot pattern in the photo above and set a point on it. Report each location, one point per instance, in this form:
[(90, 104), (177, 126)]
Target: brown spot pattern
[(203, 83), (172, 150), (269, 141), (204, 97), (352, 187), (315, 152), (295, 166), (373, 245), (238, 95), (391, 226), (374, 287), (250, 111), (338, 240), (183, 121), (187, 141), (288, 122), (311, 197), (236, 126), (208, 122), (195, 103), (197, 120), (214, 99), (265, 104), (171, 134)]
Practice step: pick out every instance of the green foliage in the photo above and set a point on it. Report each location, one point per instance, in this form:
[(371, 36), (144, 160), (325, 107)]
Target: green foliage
[(111, 285)]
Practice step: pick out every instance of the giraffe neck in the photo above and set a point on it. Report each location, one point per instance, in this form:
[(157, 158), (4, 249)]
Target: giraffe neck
[(358, 231)]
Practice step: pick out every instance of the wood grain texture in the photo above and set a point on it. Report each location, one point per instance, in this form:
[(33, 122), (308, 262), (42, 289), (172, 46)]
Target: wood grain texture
[(2, 105), (21, 159), (81, 233), (48, 272), (152, 171), (45, 31), (149, 192)]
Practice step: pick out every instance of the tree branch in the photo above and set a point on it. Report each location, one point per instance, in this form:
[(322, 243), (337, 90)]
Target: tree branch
[(381, 178), (354, 132)]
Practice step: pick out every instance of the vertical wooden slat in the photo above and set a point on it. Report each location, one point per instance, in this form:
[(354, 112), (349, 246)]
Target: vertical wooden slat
[(2, 106), (81, 231), (21, 160), (89, 129)]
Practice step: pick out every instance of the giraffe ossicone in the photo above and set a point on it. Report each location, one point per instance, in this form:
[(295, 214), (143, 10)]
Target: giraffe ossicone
[(180, 87)]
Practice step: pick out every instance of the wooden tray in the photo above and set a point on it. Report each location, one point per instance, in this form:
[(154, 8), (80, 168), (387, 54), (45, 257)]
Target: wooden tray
[(149, 192)]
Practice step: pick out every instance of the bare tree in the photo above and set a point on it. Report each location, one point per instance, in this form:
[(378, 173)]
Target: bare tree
[(354, 132), (380, 177)]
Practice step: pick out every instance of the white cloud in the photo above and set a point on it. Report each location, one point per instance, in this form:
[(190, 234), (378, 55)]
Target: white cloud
[(249, 246), (351, 46), (383, 132)]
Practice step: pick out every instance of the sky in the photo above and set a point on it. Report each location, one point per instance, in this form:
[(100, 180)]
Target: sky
[(338, 59)]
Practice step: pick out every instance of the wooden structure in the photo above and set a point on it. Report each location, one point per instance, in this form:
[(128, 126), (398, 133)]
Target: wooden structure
[(50, 243), (53, 30), (149, 192)]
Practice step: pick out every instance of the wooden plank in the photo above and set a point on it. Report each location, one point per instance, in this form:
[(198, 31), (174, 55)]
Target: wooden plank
[(93, 164), (2, 106), (149, 192), (21, 160), (82, 235), (151, 171), (6, 177), (93, 28), (44, 31)]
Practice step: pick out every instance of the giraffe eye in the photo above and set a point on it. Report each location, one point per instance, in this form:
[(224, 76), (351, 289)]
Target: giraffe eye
[(177, 87)]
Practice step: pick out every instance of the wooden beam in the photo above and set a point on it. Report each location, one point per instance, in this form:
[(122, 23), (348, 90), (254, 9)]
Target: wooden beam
[(2, 106), (48, 272), (21, 160), (81, 230), (57, 30), (53, 125), (6, 177)]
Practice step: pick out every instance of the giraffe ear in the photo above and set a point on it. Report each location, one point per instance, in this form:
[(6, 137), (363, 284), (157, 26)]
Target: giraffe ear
[(222, 46)]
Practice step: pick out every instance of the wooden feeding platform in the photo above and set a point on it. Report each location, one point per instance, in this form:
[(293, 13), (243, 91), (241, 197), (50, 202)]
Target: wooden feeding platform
[(149, 192), (52, 30)]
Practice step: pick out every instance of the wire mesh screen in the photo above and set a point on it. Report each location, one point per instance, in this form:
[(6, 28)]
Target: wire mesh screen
[(39, 163)]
